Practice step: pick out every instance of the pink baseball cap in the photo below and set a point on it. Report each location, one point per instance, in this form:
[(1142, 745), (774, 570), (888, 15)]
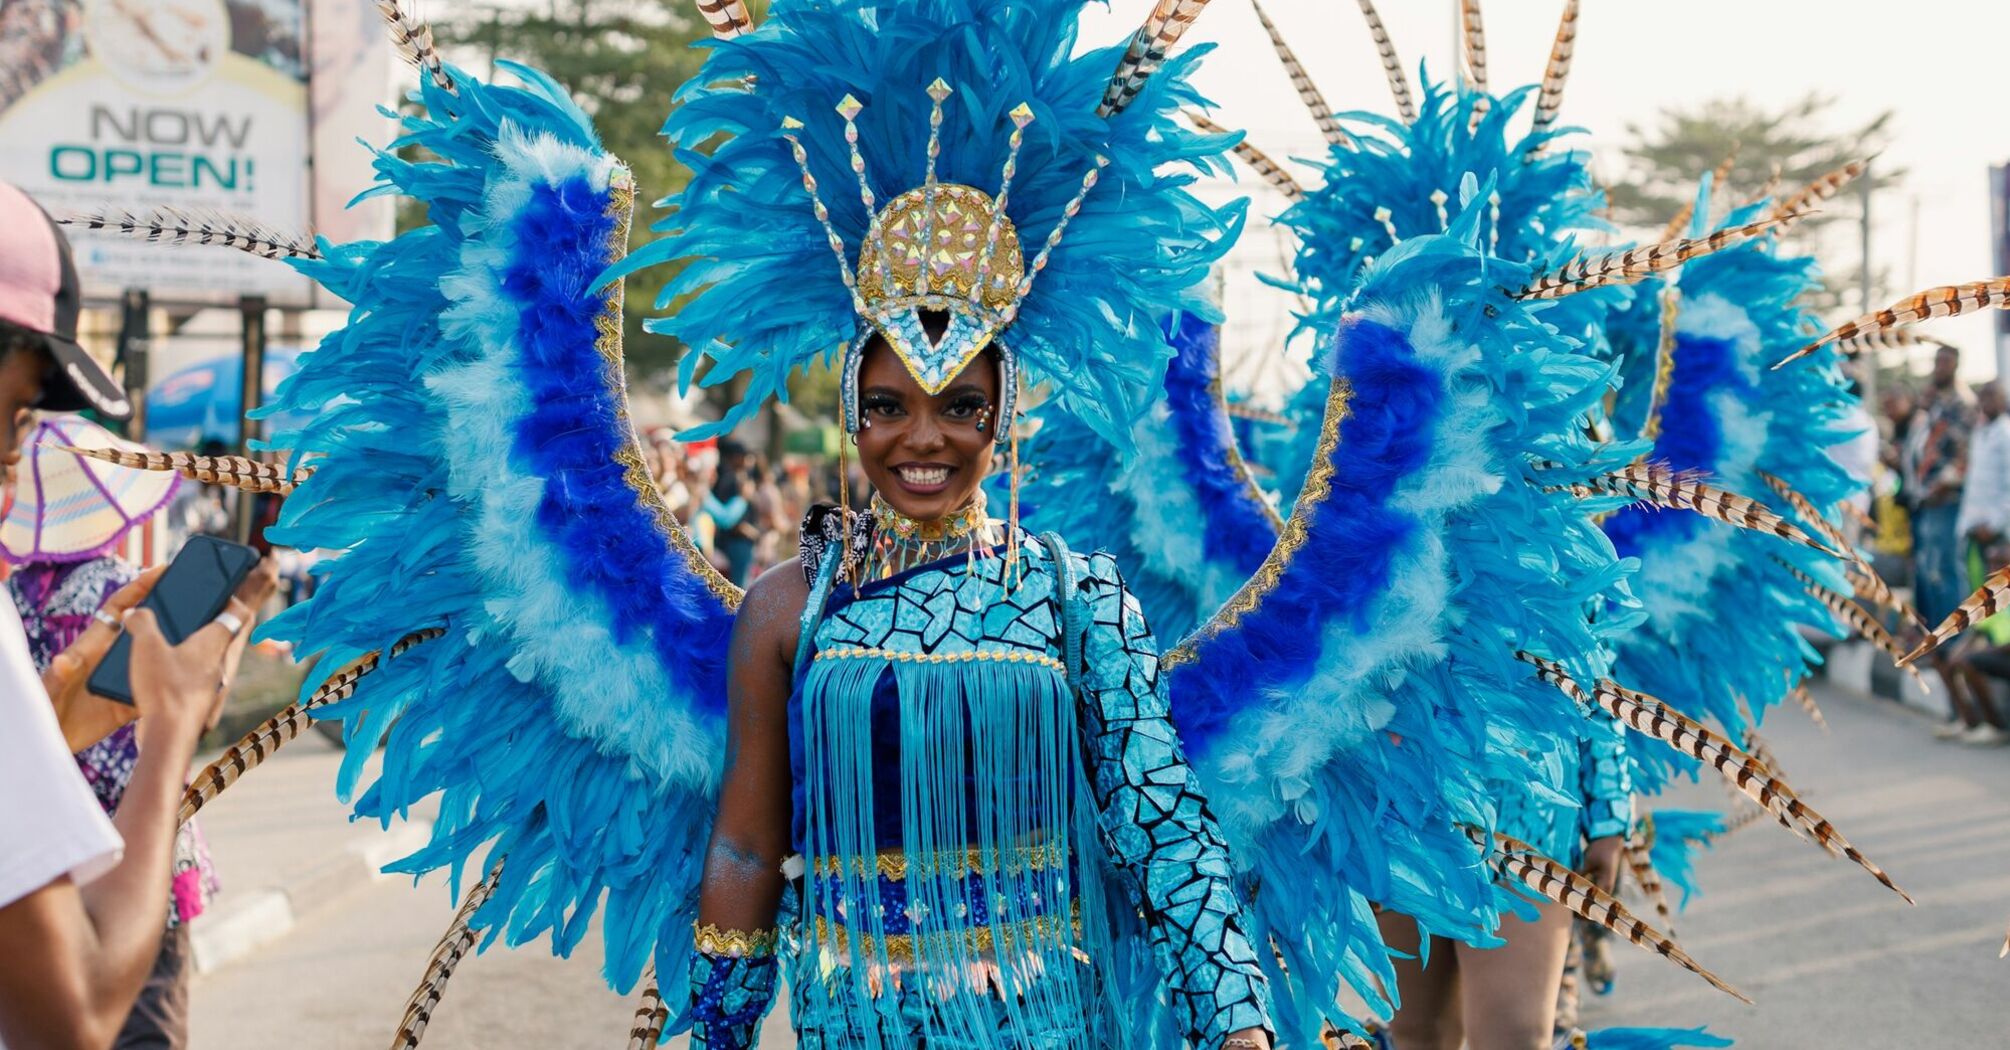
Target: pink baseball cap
[(39, 293)]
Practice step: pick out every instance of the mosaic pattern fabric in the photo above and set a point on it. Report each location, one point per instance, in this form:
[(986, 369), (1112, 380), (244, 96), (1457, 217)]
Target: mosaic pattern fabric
[(729, 996), (1154, 824)]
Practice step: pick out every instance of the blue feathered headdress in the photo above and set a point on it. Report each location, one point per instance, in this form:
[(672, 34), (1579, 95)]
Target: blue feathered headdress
[(767, 296)]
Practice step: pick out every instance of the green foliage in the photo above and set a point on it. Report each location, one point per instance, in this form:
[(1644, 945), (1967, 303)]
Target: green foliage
[(1665, 162), (621, 60)]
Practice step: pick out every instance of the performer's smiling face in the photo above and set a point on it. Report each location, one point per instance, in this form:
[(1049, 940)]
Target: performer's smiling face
[(925, 455)]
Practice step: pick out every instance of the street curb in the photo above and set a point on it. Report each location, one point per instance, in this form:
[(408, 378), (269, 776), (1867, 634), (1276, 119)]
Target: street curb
[(249, 920)]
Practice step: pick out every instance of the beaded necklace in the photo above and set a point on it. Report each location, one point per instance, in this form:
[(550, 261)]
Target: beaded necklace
[(900, 542)]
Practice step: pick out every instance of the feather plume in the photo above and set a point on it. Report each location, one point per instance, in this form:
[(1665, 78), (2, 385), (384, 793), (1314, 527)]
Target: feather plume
[(238, 472), (1637, 264), (163, 224), (1646, 715), (1392, 66), (1557, 72), (1796, 207), (1766, 190), (1519, 862), (1308, 92), (1657, 484), (728, 18), (447, 955), (1946, 301), (1641, 865), (273, 733), (1473, 49), (414, 40), (1987, 600), (1852, 615), (1154, 40), (650, 1015), (1863, 578), (1814, 710), (1269, 170)]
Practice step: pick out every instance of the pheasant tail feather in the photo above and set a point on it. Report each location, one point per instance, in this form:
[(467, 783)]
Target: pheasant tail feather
[(1797, 206), (1652, 718), (1649, 881), (1149, 46), (273, 733), (238, 472), (1554, 75), (650, 1016), (1518, 861), (1661, 486), (414, 40), (1987, 600), (1945, 301), (446, 957), (728, 18), (1308, 92), (1637, 264), (163, 224), (1392, 66), (1269, 170)]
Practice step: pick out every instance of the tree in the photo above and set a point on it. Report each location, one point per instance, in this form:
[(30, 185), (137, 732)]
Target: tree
[(621, 60), (1664, 164)]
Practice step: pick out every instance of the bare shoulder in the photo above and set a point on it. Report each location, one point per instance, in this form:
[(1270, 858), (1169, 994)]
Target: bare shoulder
[(771, 613)]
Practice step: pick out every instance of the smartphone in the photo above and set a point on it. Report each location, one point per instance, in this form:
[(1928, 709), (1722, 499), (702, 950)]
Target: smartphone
[(195, 588)]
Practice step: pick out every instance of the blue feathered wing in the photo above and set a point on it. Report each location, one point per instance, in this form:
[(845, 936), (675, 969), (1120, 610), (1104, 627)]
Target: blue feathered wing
[(479, 479)]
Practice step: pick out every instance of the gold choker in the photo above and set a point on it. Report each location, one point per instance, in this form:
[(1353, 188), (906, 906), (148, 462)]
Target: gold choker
[(893, 524), (900, 542)]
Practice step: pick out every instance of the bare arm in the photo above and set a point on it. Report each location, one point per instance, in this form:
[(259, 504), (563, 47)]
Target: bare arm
[(742, 884), (74, 960)]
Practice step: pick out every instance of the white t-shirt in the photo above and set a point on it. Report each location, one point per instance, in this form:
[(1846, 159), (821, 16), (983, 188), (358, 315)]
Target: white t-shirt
[(50, 823)]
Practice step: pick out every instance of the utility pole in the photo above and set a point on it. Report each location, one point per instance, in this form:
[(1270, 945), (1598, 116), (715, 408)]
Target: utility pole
[(251, 312)]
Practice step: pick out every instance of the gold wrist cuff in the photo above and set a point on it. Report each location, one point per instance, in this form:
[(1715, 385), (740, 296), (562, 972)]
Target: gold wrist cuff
[(737, 944)]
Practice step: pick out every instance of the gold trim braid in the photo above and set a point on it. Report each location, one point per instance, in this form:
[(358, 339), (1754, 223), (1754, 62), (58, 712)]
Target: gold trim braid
[(1318, 486), (1233, 453), (635, 470), (978, 940), (708, 939), (895, 864)]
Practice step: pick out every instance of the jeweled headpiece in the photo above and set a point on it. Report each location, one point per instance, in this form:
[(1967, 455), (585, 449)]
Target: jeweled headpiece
[(990, 136), (942, 247)]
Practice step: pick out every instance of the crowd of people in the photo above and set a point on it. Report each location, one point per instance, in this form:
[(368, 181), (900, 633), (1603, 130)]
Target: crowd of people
[(1946, 526), (743, 509)]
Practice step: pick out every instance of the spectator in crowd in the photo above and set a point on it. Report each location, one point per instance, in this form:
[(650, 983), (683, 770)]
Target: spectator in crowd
[(69, 517), (1933, 463), (730, 505), (1984, 525), (81, 901)]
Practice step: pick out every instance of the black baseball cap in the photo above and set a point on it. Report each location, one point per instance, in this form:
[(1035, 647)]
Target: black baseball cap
[(39, 294)]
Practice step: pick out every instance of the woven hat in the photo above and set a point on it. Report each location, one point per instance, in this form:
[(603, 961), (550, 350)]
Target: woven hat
[(68, 508)]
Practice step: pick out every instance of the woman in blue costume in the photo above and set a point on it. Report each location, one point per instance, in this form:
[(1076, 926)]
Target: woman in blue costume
[(910, 707)]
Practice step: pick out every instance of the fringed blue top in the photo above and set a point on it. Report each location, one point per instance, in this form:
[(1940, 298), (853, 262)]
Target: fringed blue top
[(1002, 851)]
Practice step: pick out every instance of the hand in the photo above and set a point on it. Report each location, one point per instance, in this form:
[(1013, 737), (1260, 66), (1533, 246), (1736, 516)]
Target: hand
[(179, 689), (1256, 1037), (86, 718), (1601, 861)]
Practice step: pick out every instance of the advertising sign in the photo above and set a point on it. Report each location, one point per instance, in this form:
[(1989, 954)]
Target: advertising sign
[(131, 104)]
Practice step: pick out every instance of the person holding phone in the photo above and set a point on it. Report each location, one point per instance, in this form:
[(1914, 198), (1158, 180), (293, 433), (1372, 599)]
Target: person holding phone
[(81, 912), (63, 534)]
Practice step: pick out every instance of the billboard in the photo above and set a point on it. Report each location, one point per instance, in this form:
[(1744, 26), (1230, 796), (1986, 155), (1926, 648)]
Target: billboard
[(130, 104)]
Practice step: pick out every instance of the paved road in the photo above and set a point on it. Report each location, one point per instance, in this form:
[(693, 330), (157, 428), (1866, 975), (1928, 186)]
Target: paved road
[(1832, 958)]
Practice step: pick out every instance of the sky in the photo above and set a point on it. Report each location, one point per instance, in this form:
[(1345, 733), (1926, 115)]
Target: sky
[(1939, 64)]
